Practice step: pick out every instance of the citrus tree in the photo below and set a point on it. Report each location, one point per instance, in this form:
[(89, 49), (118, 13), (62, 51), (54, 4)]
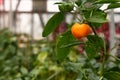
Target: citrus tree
[(88, 17)]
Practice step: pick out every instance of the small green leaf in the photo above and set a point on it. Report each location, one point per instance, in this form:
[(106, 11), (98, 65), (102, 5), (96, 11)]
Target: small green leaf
[(113, 5), (97, 19), (66, 7), (96, 25), (116, 68), (112, 75), (75, 67), (90, 50), (24, 70), (63, 39), (80, 2), (42, 56), (96, 40), (53, 23), (98, 16), (59, 3), (93, 46), (106, 1)]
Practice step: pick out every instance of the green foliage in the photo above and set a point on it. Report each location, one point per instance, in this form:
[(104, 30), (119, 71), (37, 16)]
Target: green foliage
[(106, 1), (97, 16), (66, 7), (112, 75), (53, 23), (93, 46), (64, 39), (80, 2), (16, 62), (113, 5), (40, 62)]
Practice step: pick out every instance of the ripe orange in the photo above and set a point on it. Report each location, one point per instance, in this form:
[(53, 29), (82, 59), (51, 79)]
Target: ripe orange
[(80, 30)]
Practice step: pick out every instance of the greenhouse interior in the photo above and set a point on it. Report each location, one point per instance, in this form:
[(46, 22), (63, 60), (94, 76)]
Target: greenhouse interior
[(59, 39)]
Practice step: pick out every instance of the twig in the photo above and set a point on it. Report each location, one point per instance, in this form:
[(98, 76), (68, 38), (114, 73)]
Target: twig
[(56, 73), (103, 61), (114, 57)]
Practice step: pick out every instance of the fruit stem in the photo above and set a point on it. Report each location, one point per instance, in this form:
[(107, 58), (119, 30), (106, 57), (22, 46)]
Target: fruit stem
[(94, 30)]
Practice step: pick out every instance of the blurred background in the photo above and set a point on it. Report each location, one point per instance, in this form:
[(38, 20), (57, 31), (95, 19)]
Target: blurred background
[(25, 54)]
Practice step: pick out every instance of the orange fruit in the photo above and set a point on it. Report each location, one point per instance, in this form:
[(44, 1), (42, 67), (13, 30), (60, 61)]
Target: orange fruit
[(80, 30)]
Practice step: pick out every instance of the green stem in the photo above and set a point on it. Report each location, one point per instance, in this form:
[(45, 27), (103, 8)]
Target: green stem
[(102, 67), (72, 44), (91, 13), (101, 78), (103, 61), (56, 73), (78, 19), (94, 30), (114, 57)]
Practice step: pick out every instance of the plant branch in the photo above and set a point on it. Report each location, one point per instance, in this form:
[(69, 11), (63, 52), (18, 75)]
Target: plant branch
[(72, 44), (116, 45), (56, 73), (94, 30), (103, 61), (114, 57)]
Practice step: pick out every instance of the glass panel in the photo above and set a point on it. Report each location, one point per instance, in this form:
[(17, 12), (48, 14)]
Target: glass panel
[(51, 7), (25, 5), (13, 3)]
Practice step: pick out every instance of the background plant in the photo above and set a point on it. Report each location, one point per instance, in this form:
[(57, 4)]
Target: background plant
[(21, 60)]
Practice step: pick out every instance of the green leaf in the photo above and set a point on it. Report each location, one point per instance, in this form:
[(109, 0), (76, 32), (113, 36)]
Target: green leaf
[(112, 75), (24, 70), (42, 56), (98, 16), (93, 45), (53, 23), (96, 40), (97, 19), (66, 7), (113, 5), (106, 1), (90, 50), (75, 67), (116, 68), (63, 39), (59, 3), (80, 2), (96, 25)]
